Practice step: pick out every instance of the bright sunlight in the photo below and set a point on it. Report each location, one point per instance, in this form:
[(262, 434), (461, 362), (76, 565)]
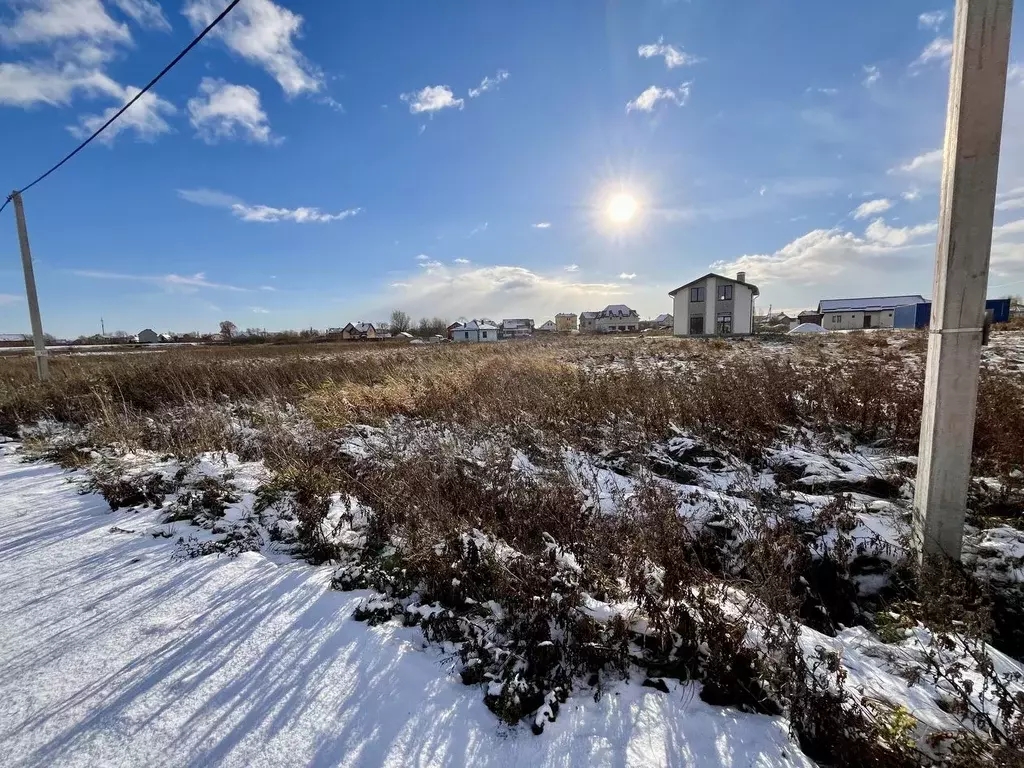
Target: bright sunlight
[(622, 208)]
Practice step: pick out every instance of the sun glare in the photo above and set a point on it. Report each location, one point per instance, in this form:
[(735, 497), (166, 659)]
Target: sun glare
[(622, 208)]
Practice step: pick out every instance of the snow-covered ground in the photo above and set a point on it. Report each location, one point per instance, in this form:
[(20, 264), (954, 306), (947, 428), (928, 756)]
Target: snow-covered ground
[(112, 653)]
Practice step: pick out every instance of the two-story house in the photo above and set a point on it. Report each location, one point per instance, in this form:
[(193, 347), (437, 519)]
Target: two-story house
[(714, 305), (360, 331), (516, 328), (565, 322), (617, 318)]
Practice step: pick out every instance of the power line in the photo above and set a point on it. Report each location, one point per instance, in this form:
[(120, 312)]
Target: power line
[(135, 98)]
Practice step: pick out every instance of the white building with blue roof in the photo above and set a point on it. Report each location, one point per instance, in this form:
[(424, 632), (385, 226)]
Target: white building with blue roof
[(869, 312)]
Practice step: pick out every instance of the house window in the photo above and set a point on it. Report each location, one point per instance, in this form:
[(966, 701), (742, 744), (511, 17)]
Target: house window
[(697, 294), (485, 334), (723, 323), (837, 318), (697, 325), (467, 334), (725, 293)]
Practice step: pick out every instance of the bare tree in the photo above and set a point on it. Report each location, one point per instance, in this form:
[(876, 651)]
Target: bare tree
[(400, 321), (228, 329)]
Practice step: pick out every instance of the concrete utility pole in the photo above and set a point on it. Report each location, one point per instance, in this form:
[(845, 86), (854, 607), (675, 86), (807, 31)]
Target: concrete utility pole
[(974, 120), (42, 361)]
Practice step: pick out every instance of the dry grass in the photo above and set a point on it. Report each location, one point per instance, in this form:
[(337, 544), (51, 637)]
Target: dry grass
[(437, 518), (739, 395)]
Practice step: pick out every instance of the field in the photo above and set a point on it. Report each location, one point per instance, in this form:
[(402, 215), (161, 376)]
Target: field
[(576, 517)]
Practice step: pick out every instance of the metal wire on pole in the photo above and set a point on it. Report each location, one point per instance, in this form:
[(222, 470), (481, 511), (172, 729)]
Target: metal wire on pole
[(135, 98)]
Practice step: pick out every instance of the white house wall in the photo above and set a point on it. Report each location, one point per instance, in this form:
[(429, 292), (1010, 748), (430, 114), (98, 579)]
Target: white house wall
[(850, 321), (742, 309), (681, 313), (710, 302)]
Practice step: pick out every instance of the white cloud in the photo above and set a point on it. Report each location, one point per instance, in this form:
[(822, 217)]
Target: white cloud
[(872, 74), (478, 229), (431, 265), (542, 225), (261, 213), (879, 232), (49, 21), (330, 101), (462, 261), (572, 268), (831, 262), (146, 13), (226, 111), (267, 288), (260, 310), (28, 84), (939, 49), (1010, 200), (422, 257), (925, 162), (489, 84), (1007, 261), (673, 56), (265, 213), (171, 282), (931, 19), (264, 34), (911, 194), (208, 197), (872, 207), (1007, 229), (627, 276), (510, 291), (431, 99), (145, 117), (825, 91), (647, 100), (7, 299)]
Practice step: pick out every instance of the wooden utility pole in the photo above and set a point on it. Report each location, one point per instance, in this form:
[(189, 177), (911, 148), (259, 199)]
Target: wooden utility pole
[(974, 120), (42, 361)]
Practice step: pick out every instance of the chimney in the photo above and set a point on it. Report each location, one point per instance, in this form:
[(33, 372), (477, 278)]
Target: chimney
[(741, 277)]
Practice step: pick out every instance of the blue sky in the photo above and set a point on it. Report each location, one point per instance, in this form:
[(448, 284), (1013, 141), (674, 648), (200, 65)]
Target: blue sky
[(315, 163)]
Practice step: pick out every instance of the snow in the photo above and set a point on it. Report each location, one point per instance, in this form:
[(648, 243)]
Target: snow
[(807, 328), (112, 653)]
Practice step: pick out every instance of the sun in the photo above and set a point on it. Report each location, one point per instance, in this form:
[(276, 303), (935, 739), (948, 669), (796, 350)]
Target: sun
[(622, 208)]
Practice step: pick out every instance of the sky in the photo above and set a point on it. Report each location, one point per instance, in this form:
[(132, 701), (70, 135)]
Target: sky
[(311, 164)]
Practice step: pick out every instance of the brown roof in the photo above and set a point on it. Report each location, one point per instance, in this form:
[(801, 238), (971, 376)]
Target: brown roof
[(717, 277)]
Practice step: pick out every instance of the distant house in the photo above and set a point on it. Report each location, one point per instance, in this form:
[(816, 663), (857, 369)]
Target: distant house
[(168, 337), (549, 327), (148, 336), (714, 305), (870, 312), (403, 335), (14, 338), (565, 322), (359, 331), (808, 316), (588, 322), (476, 331), (617, 318), (452, 328), (664, 321), (521, 328)]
